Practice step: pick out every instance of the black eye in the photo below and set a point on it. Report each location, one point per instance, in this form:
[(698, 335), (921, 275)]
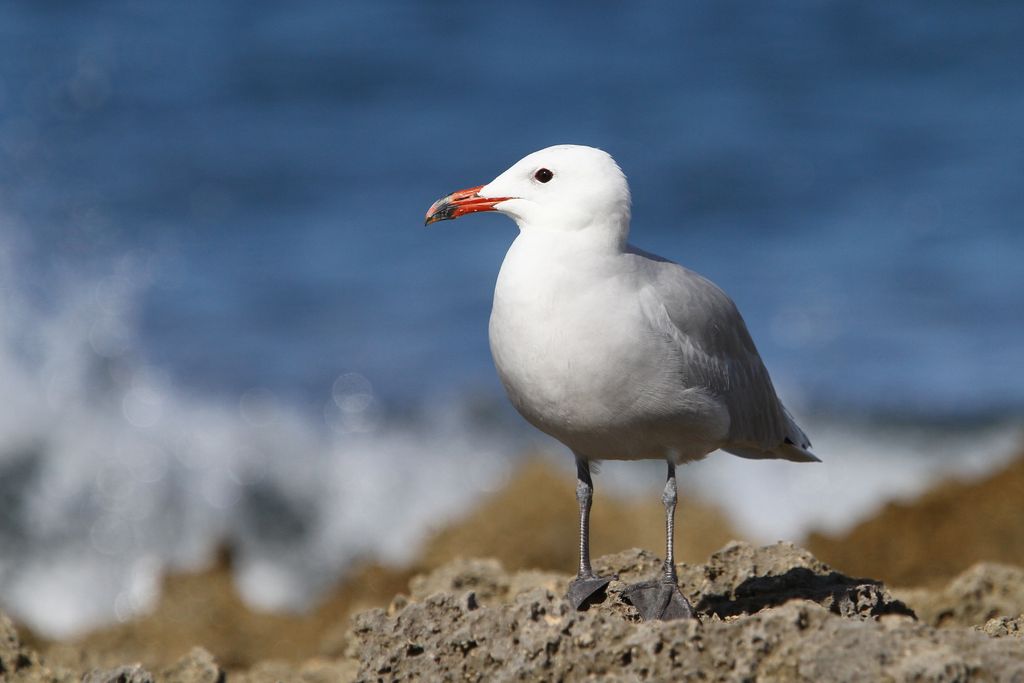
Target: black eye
[(543, 175)]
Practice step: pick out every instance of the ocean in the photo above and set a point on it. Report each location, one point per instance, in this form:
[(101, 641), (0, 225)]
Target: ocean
[(221, 317)]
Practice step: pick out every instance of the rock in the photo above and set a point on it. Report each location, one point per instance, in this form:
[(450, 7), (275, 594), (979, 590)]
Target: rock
[(1004, 627), (766, 613), (487, 579), (12, 655), (21, 665), (316, 670), (198, 666), (774, 613), (267, 672), (132, 673), (737, 579), (743, 579), (983, 592)]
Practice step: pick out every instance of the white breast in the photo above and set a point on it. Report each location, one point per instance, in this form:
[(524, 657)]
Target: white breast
[(574, 349)]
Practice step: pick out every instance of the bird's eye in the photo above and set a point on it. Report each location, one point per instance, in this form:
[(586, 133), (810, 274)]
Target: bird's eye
[(543, 175)]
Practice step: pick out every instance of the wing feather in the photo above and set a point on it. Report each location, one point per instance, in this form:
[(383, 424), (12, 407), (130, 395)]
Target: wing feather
[(718, 354)]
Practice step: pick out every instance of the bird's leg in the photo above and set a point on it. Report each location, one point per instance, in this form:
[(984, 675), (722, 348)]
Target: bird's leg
[(586, 584), (668, 499), (661, 598)]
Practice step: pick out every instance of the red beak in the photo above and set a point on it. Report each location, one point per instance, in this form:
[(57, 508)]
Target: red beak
[(460, 203)]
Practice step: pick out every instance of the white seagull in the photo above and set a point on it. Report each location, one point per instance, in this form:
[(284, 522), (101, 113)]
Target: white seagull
[(618, 353)]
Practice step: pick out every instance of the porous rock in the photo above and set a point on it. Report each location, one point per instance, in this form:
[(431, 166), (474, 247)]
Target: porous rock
[(19, 664), (316, 670), (198, 666), (1004, 627), (743, 579), (131, 673), (487, 579), (982, 592), (12, 655), (775, 613)]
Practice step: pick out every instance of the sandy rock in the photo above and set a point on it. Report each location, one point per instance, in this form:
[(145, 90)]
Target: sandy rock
[(743, 579), (775, 613), (19, 664), (317, 670), (487, 579), (12, 656), (768, 613), (132, 673), (539, 638), (983, 592), (267, 672), (198, 666), (1004, 627), (740, 578)]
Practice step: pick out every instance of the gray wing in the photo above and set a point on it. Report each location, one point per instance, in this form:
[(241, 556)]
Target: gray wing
[(717, 353)]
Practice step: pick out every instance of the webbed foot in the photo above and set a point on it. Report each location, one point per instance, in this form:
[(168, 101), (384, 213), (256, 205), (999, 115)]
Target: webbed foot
[(658, 599), (582, 589)]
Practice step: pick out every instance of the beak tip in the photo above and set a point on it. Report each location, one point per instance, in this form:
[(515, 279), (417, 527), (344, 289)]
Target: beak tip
[(439, 212), (459, 204)]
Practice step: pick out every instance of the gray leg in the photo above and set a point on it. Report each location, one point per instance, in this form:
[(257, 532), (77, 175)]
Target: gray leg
[(668, 499), (586, 584), (661, 598)]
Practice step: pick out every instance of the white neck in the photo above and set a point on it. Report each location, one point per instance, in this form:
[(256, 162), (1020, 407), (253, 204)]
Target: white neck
[(608, 237)]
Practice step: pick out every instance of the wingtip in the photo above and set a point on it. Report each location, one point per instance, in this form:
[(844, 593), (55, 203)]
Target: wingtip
[(803, 453), (790, 451)]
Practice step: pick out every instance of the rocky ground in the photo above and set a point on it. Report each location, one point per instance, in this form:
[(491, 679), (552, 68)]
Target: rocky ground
[(771, 613)]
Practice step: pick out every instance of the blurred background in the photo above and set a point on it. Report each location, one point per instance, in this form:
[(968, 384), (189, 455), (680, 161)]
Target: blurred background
[(222, 320)]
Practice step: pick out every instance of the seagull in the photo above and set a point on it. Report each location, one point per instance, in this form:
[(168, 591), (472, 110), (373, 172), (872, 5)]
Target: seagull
[(616, 352)]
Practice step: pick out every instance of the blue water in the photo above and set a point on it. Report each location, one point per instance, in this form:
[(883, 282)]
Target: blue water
[(208, 209), (850, 173)]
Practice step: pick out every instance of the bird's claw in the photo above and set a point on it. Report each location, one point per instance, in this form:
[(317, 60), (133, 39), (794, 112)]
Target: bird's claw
[(583, 589), (658, 599)]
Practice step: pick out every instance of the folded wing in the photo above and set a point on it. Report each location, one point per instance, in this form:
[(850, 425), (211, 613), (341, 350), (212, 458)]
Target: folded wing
[(717, 353)]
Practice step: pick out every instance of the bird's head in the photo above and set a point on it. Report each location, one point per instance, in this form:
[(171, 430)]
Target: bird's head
[(565, 187)]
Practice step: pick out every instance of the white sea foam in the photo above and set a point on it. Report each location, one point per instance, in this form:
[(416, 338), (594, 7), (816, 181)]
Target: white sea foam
[(111, 474)]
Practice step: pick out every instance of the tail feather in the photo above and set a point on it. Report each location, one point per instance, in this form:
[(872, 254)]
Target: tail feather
[(795, 447), (796, 453), (783, 452)]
